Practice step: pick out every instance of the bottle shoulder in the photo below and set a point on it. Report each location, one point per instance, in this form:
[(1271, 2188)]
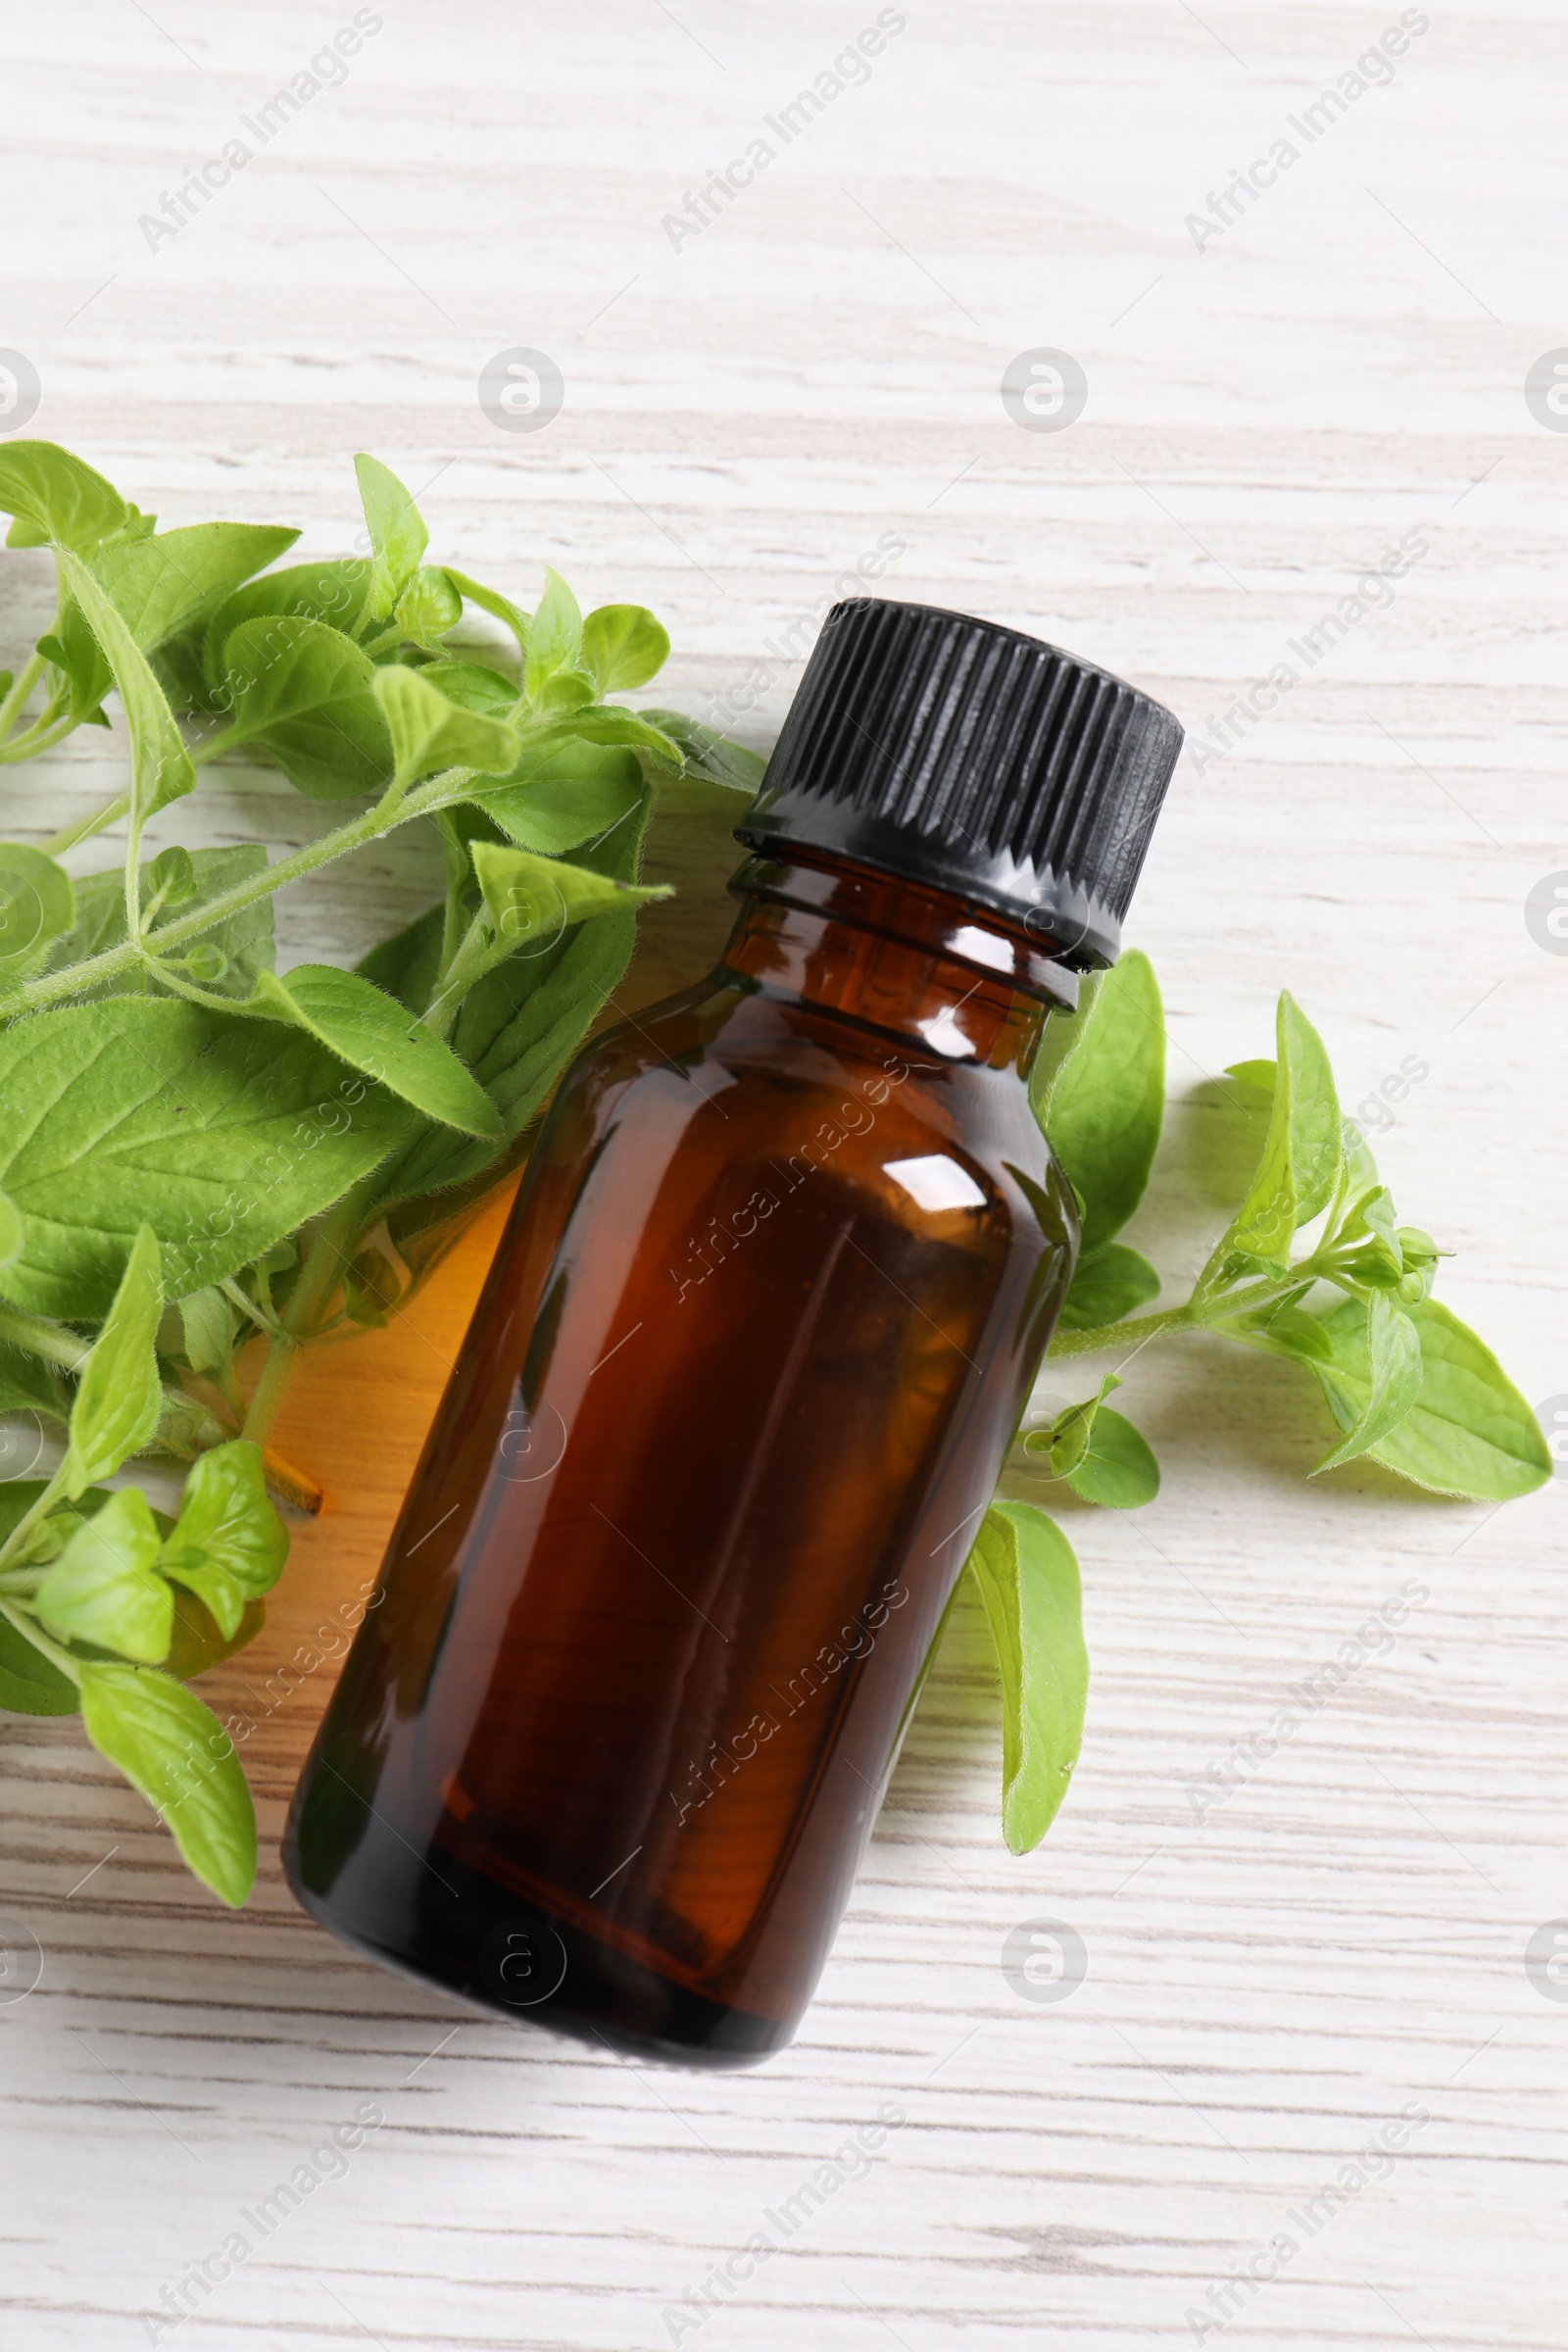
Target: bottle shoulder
[(730, 1036), (754, 1088)]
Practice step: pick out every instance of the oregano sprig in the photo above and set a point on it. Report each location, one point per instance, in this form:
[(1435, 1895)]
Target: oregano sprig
[(1406, 1384), (88, 1600), (198, 1152)]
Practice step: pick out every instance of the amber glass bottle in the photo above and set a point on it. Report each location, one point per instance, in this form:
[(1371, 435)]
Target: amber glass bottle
[(612, 1738)]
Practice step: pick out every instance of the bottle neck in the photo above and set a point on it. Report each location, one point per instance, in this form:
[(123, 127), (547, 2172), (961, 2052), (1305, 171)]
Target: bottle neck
[(897, 955)]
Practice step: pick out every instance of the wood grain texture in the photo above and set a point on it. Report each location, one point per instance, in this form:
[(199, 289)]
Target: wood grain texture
[(746, 418)]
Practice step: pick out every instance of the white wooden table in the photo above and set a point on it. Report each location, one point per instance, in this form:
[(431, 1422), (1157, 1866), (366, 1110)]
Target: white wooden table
[(748, 412)]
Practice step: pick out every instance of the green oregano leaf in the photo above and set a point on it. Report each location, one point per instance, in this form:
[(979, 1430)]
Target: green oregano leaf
[(1114, 1282), (535, 898), (624, 646), (429, 732), (171, 880), (57, 495), (37, 906), (1468, 1431), (1283, 1329), (519, 1025), (1360, 1168), (200, 1642), (560, 796), (1302, 1150), (1028, 1580), (228, 1544), (398, 536), (374, 1033), (491, 601), (1064, 1441), (163, 584), (1254, 1078), (333, 593), (304, 694), (605, 725), (555, 635), (121, 1394), (207, 1320), (29, 1683), (1317, 1148), (473, 686), (220, 1132), (1102, 1100), (1098, 1454), (76, 654), (701, 750), (427, 608), (1117, 1468), (104, 1587), (1393, 1380), (178, 1754), (160, 769)]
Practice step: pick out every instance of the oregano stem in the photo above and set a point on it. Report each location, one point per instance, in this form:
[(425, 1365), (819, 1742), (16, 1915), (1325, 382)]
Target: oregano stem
[(70, 835), (41, 736), (37, 1509), (227, 739), (458, 873), (468, 965), (1200, 1313), (387, 814), (1117, 1335), (21, 685), (269, 1393), (14, 702), (30, 1630), (56, 1344), (318, 1276), (39, 1337)]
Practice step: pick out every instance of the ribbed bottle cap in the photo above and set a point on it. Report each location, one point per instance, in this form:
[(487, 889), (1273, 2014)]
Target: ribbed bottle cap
[(975, 760)]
